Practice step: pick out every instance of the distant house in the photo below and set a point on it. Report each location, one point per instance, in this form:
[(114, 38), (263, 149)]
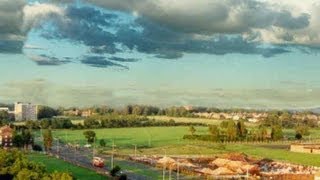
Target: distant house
[(72, 112), (6, 134), (305, 148), (4, 109), (87, 113), (253, 120)]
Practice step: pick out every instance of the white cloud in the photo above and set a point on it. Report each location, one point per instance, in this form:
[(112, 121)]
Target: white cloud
[(17, 18), (271, 21), (36, 13)]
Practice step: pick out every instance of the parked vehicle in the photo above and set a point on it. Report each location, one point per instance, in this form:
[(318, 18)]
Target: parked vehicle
[(87, 146), (98, 162)]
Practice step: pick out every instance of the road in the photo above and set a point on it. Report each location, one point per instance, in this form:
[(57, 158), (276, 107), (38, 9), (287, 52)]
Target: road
[(83, 156)]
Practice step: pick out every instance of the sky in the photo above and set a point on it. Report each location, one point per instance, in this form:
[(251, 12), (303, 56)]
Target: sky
[(215, 53)]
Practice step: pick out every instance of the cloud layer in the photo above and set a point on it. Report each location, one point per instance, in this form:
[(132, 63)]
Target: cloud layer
[(163, 28), (265, 20)]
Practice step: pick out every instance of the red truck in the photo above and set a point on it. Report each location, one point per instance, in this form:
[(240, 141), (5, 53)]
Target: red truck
[(98, 162)]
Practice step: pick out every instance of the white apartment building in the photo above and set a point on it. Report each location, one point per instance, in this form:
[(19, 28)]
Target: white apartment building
[(25, 111), (4, 109)]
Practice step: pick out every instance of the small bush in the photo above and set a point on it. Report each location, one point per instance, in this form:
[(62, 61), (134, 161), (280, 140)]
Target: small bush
[(36, 147), (298, 136), (123, 177), (114, 171)]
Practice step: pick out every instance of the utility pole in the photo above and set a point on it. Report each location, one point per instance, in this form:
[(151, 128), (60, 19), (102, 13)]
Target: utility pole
[(93, 148), (135, 150), (178, 170), (164, 172), (112, 154), (247, 173), (58, 146)]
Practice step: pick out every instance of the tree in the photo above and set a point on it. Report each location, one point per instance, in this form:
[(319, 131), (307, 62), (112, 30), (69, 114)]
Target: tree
[(27, 138), (298, 136), (15, 165), (302, 130), (276, 132), (45, 123), (47, 139), (272, 119), (286, 120), (114, 171), (17, 140), (231, 131), (241, 129), (263, 133), (46, 112), (214, 131), (4, 115), (192, 130), (61, 176), (91, 123), (224, 124), (102, 143), (90, 136)]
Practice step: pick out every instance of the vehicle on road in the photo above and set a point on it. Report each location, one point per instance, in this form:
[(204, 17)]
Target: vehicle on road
[(87, 146), (98, 162)]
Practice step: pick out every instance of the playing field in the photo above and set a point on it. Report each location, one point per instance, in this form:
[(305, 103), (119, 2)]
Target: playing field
[(128, 137), (52, 164)]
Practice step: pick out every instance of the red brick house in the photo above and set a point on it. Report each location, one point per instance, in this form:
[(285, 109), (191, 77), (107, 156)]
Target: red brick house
[(6, 134)]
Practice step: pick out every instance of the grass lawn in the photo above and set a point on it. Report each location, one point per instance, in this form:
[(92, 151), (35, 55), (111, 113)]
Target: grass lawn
[(52, 164), (277, 154), (128, 137)]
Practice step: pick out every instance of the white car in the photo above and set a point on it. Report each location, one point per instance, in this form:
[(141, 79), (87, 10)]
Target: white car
[(87, 146)]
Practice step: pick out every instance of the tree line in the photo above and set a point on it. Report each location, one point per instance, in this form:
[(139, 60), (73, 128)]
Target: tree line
[(106, 121), (231, 131)]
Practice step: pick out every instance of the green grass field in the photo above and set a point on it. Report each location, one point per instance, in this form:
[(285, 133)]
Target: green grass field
[(128, 137), (52, 164), (168, 140)]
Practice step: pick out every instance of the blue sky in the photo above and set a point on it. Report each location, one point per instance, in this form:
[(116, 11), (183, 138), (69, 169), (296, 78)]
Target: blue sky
[(246, 53)]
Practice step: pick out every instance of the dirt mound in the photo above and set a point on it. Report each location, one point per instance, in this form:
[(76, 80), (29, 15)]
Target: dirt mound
[(220, 162), (237, 157)]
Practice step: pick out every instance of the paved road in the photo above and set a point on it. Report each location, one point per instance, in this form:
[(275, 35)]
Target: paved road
[(83, 156)]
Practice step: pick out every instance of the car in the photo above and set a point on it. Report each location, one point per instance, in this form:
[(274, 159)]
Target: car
[(87, 146), (98, 162)]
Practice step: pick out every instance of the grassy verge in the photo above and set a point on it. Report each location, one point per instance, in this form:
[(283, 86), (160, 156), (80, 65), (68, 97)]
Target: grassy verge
[(52, 164), (139, 169), (277, 154)]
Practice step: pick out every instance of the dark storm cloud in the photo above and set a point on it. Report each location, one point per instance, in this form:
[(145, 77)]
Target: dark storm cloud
[(119, 59), (165, 43), (100, 62), (11, 46), (45, 60), (11, 18), (286, 20), (210, 16), (144, 36), (11, 21)]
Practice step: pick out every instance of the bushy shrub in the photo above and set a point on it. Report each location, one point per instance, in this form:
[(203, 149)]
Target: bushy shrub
[(36, 147)]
